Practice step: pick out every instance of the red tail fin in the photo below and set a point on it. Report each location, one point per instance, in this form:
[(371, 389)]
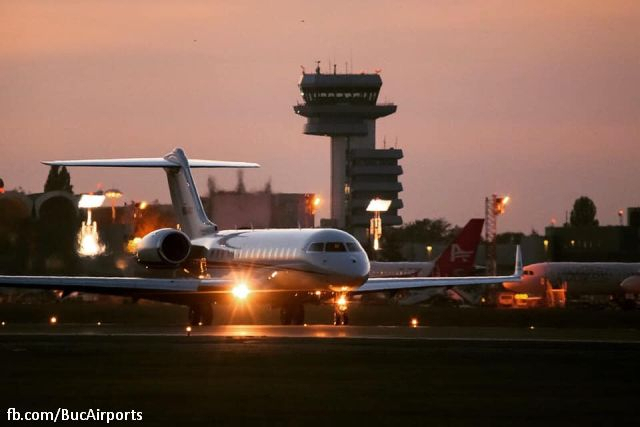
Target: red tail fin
[(458, 258)]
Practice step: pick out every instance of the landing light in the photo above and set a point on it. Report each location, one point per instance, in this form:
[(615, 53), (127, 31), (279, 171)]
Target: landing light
[(241, 291)]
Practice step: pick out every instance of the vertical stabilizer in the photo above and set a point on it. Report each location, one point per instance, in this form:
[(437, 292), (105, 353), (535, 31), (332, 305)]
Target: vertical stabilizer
[(459, 257), (184, 196), (185, 199)]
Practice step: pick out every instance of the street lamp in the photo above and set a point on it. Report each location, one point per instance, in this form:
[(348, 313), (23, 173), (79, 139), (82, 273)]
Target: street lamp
[(493, 207), (88, 239), (429, 250), (375, 226), (113, 195)]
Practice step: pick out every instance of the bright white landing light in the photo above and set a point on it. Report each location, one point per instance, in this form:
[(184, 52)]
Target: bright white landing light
[(241, 291)]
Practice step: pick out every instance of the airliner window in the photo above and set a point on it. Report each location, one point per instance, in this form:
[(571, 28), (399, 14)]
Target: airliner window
[(335, 247), (352, 247), (315, 247)]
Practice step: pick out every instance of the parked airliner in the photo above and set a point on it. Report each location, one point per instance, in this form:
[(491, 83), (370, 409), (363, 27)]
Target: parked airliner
[(284, 267), (579, 278)]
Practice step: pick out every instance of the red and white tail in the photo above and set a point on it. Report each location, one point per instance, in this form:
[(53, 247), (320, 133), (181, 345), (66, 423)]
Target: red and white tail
[(459, 257)]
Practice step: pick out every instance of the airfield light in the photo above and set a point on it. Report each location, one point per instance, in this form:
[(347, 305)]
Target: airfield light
[(241, 291), (3, 323), (53, 320), (113, 195), (318, 293), (414, 322), (89, 201), (494, 206), (99, 323), (88, 239), (376, 206), (188, 330)]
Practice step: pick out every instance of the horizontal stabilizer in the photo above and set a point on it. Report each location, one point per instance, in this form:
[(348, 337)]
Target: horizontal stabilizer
[(158, 162)]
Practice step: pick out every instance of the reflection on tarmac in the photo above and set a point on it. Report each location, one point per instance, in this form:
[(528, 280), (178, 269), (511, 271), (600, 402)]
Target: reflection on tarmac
[(334, 332)]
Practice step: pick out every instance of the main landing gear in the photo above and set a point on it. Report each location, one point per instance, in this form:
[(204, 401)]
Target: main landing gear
[(200, 315), (292, 313)]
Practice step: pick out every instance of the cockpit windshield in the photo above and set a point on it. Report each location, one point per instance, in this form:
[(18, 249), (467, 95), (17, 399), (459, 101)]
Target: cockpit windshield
[(333, 247)]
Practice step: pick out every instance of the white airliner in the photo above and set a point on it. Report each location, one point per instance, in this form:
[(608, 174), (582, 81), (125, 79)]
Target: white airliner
[(285, 267), (580, 278)]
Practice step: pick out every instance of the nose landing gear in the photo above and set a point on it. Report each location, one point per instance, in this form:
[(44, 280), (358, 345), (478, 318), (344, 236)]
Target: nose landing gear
[(340, 316)]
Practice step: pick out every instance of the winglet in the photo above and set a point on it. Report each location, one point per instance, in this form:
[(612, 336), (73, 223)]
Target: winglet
[(518, 270)]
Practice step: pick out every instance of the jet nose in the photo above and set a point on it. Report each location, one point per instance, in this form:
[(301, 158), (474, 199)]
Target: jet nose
[(359, 265), (631, 284)]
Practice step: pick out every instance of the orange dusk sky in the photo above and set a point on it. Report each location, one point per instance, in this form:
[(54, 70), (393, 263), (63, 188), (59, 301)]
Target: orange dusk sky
[(536, 99)]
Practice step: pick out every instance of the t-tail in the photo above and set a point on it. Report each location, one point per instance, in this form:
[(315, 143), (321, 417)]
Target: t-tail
[(186, 202), (459, 257)]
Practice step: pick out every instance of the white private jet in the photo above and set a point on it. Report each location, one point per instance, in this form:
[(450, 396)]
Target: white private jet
[(284, 267)]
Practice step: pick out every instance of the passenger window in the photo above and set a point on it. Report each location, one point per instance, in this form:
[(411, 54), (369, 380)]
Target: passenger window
[(315, 247), (352, 247), (335, 247)]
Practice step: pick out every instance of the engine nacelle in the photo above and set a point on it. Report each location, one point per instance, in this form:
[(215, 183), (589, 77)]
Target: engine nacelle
[(166, 246)]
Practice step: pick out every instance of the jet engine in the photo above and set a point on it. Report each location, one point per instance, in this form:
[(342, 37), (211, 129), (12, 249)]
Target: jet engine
[(166, 246)]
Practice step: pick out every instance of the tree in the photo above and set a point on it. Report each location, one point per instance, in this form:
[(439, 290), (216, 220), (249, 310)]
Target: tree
[(58, 180), (583, 213)]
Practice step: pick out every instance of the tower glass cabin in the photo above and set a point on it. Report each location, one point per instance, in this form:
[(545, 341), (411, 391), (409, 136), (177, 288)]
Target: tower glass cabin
[(345, 107)]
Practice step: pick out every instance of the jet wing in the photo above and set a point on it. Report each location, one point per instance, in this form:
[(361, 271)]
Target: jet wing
[(117, 285), (150, 163), (405, 283)]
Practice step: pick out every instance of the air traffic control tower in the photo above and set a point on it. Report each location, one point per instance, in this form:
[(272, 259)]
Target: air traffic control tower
[(344, 107)]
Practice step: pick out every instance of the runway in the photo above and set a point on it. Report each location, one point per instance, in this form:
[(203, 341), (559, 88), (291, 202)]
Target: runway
[(325, 375), (419, 333)]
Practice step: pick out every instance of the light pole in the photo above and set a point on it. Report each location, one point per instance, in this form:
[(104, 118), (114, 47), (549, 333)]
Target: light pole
[(113, 195), (375, 225), (88, 239), (493, 207)]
